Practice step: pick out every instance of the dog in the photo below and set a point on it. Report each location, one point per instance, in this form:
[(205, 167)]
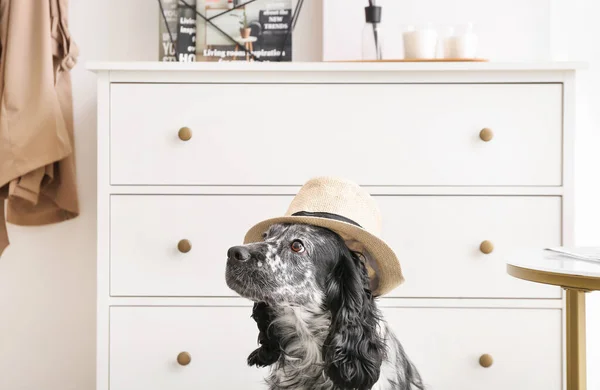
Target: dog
[(318, 321)]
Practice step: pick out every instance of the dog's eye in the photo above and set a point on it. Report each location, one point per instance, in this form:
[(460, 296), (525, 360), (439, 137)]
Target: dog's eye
[(297, 246)]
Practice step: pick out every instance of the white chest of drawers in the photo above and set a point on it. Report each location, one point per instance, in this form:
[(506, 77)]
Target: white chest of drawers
[(456, 155)]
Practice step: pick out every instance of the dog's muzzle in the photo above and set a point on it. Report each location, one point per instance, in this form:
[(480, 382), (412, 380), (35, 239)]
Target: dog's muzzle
[(239, 253)]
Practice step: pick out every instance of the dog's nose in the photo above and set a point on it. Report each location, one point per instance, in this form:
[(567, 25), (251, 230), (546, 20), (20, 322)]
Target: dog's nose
[(239, 253)]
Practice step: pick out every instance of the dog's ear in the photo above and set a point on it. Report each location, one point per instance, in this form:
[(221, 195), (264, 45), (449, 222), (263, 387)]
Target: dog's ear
[(269, 350), (353, 349)]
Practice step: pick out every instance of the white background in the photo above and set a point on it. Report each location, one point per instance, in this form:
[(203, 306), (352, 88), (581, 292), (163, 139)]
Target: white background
[(47, 275)]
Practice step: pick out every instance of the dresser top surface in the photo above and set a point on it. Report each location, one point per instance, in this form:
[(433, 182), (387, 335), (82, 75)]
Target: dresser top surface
[(97, 66)]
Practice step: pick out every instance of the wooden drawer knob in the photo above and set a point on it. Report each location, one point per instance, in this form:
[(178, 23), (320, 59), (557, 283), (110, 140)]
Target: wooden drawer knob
[(185, 134), (184, 358), (486, 135), (184, 246), (486, 360), (486, 247)]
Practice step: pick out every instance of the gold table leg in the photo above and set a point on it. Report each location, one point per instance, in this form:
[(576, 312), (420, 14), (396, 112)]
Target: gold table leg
[(576, 364)]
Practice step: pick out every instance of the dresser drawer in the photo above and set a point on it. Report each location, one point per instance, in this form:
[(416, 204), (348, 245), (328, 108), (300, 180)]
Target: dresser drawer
[(441, 240), (374, 134), (145, 232), (446, 345), (437, 239), (145, 343)]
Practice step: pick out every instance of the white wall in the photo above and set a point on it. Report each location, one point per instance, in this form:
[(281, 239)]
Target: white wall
[(47, 276)]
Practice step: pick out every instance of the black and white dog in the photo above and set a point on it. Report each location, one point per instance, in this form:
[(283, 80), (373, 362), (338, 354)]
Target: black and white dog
[(319, 325)]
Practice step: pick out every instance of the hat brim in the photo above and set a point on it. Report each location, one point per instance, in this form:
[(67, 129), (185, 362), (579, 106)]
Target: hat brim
[(389, 272)]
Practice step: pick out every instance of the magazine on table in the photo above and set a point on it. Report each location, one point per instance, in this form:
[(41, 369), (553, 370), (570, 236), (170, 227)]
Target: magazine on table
[(585, 253)]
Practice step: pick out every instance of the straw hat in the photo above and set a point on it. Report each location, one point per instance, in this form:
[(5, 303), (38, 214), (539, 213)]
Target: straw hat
[(347, 209)]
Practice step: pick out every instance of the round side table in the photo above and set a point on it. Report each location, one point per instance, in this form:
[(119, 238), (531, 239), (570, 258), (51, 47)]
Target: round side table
[(576, 276), (248, 45)]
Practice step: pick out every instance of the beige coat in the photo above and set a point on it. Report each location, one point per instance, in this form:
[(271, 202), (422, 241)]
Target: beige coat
[(37, 167)]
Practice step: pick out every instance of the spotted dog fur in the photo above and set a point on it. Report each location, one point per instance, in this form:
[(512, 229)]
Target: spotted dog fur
[(319, 325)]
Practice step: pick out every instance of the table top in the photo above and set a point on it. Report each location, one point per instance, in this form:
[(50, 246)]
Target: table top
[(578, 267), (244, 40)]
